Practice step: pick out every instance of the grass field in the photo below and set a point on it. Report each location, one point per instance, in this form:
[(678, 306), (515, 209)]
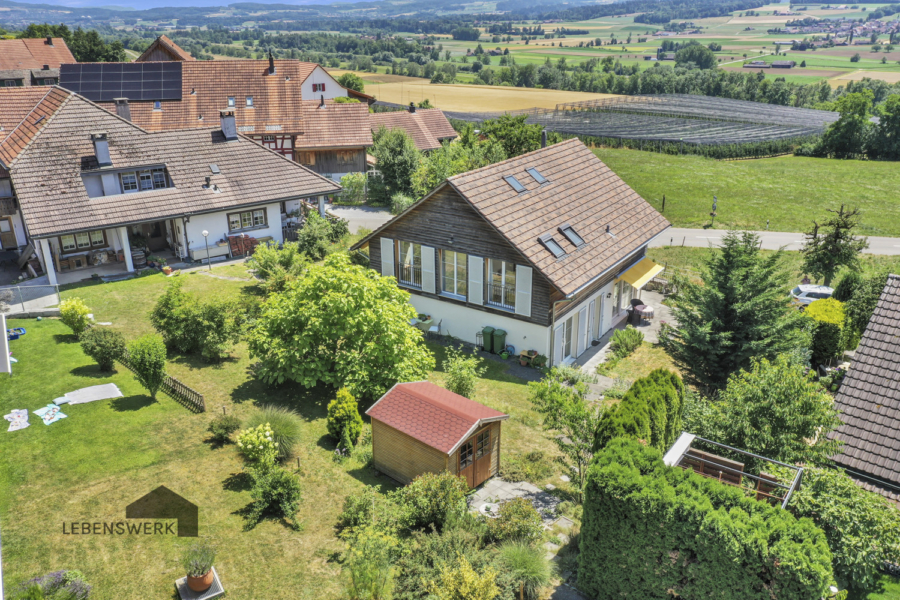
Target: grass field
[(787, 191)]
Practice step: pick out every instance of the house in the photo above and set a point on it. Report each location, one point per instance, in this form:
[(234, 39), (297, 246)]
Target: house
[(869, 401), (420, 428), (29, 62), (428, 127), (85, 183), (548, 246), (163, 49)]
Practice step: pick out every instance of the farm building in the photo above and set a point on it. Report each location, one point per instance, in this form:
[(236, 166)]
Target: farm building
[(757, 64), (420, 428), (783, 64)]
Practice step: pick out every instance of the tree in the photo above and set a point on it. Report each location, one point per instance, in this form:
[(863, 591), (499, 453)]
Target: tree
[(147, 359), (696, 55), (354, 191), (830, 245), (776, 410), (88, 46), (352, 81), (73, 312), (847, 137), (740, 311), (398, 158), (426, 103), (885, 142), (276, 266), (567, 412), (513, 134), (462, 371), (341, 325), (344, 420), (459, 156), (859, 308), (104, 345)]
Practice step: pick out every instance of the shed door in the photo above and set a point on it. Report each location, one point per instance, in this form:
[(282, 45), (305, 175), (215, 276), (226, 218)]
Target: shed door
[(482, 456), (467, 461)]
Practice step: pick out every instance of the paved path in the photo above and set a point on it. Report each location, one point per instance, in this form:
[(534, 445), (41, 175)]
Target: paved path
[(771, 240), (369, 217)]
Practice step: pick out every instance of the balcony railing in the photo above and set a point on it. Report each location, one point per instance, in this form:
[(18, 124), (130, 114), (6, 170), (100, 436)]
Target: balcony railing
[(410, 275), (501, 296)]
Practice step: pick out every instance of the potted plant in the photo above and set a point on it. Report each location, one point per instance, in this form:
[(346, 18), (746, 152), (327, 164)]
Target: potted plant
[(198, 562)]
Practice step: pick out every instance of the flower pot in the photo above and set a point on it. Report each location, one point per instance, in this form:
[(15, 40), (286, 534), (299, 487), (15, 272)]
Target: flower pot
[(523, 361), (201, 584), (167, 270)]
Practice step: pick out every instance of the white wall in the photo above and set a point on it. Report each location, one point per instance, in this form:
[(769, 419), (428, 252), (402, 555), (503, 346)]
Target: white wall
[(332, 87), (217, 226), (463, 323)]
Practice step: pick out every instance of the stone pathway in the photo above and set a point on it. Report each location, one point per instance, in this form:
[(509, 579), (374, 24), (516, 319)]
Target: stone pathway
[(496, 491)]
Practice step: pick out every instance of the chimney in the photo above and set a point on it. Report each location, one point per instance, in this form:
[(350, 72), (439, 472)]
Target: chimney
[(101, 149), (271, 63), (46, 67), (123, 109), (412, 107), (49, 40), (322, 101), (229, 129), (543, 138)]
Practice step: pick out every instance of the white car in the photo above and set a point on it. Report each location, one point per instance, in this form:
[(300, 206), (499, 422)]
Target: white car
[(807, 294)]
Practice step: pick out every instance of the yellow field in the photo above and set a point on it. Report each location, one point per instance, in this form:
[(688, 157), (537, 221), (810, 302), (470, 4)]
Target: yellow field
[(465, 97), (889, 77)]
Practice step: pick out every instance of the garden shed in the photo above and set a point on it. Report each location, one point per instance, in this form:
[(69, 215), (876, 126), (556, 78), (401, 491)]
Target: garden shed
[(419, 427)]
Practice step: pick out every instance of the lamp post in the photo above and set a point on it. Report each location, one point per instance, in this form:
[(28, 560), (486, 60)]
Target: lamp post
[(208, 258)]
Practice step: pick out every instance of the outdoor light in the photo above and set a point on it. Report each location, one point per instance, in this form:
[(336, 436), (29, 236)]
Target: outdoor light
[(208, 258)]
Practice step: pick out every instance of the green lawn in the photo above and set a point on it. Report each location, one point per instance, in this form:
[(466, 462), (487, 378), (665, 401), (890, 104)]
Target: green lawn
[(787, 191), (106, 454)]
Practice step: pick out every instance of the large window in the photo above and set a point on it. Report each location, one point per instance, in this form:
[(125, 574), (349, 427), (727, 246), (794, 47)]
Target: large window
[(567, 338), (410, 264), (501, 284), (249, 219), (143, 181), (453, 273), (81, 242)]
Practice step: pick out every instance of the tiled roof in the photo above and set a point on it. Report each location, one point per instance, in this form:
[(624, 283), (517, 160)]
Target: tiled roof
[(580, 190), (33, 53), (43, 107), (48, 173), (17, 102), (429, 413), (428, 127), (869, 397), (170, 47), (336, 125)]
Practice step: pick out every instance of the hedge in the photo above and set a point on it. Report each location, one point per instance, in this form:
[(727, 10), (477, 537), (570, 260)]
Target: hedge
[(650, 411), (827, 335), (657, 532)]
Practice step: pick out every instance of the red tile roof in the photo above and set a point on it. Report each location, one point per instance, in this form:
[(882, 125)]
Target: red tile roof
[(17, 102), (428, 127), (37, 117), (33, 54), (336, 125), (434, 416), (168, 46)]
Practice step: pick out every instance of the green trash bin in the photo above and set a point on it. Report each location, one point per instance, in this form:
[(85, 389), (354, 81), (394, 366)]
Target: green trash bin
[(487, 338), (499, 341)]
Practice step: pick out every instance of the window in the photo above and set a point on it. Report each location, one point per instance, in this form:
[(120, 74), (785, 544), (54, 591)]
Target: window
[(159, 179), (146, 181), (80, 242), (483, 444), (157, 105), (48, 82), (567, 338), (10, 83), (97, 238), (515, 184), (249, 101), (345, 157), (247, 219), (537, 176), (453, 273), (410, 264), (129, 182), (570, 233), (268, 138), (67, 243), (318, 87), (465, 455), (230, 101), (552, 245), (501, 284), (307, 158)]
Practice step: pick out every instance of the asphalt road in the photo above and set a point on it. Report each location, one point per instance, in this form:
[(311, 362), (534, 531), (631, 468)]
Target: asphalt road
[(771, 240)]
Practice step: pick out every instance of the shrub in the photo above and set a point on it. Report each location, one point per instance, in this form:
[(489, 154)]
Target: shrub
[(73, 312), (674, 533), (338, 228), (533, 466), (845, 288), (147, 358), (400, 202), (219, 326), (198, 559), (431, 499), (827, 338), (105, 346), (344, 419), (354, 189), (626, 341), (223, 426), (368, 565), (275, 492), (171, 317), (58, 585), (460, 581), (313, 238), (257, 445), (462, 372), (278, 266), (517, 520), (284, 424), (526, 563), (574, 375)]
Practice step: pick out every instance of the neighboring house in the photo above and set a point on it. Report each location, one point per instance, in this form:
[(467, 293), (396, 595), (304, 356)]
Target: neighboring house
[(428, 127), (32, 62), (869, 401), (163, 49), (548, 246), (85, 182), (420, 428)]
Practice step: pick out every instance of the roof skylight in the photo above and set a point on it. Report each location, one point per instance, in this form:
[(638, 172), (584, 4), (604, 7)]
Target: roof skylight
[(537, 175), (552, 245), (514, 183), (571, 235)]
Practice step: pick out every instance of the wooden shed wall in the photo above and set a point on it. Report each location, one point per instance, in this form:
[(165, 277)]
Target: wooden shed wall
[(402, 457)]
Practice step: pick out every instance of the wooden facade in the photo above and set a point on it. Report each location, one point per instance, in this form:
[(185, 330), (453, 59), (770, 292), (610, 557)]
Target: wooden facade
[(326, 162), (483, 466)]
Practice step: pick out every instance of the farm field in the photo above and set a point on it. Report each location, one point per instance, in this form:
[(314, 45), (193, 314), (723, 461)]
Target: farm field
[(788, 191)]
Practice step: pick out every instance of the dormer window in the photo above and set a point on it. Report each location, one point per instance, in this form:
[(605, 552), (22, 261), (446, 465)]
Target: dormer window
[(249, 101), (157, 105), (552, 245), (512, 181), (571, 235), (144, 180), (230, 101)]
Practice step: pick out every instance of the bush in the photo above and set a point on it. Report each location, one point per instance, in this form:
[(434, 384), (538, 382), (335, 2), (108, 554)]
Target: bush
[(625, 341), (275, 492), (431, 499), (223, 426), (517, 520), (461, 372), (459, 581), (400, 202), (147, 358), (257, 444), (278, 266), (105, 346), (673, 533), (198, 559), (533, 466), (73, 312), (313, 238), (354, 189), (845, 288), (285, 425), (827, 338), (344, 419), (574, 375), (368, 565), (172, 318), (58, 585), (526, 563)]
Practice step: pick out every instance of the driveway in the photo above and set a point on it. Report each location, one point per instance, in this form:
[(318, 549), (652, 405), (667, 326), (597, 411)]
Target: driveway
[(369, 217)]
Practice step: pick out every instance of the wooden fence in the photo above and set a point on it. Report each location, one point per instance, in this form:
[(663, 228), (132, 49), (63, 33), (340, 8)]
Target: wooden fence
[(187, 397)]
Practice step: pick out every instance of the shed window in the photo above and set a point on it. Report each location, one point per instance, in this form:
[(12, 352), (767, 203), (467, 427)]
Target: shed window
[(453, 273), (483, 444), (514, 183), (537, 176), (570, 233), (552, 245)]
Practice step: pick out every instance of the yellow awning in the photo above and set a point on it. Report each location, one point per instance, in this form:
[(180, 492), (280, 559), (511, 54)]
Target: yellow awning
[(641, 273)]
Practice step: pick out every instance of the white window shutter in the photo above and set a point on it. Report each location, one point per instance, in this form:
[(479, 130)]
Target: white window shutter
[(476, 280), (428, 269), (387, 257), (523, 291), (558, 346), (582, 330)]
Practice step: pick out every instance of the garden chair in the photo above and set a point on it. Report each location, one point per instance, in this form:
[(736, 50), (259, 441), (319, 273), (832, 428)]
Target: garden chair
[(435, 330)]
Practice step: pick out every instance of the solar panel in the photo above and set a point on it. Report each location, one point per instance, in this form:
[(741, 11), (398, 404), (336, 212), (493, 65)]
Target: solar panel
[(536, 174), (515, 183), (103, 82)]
